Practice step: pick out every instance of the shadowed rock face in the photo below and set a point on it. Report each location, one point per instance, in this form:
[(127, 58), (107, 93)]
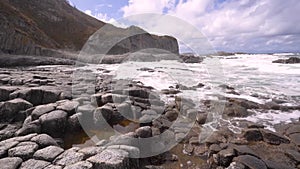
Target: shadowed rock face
[(33, 27)]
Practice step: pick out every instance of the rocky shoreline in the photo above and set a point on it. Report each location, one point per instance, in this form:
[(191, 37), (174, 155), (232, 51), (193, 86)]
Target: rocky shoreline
[(40, 106)]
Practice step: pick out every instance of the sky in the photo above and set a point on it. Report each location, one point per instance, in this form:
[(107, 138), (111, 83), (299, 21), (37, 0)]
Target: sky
[(253, 26)]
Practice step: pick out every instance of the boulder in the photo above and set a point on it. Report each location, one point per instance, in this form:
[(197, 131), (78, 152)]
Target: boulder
[(48, 154), (80, 165), (69, 157), (277, 165), (226, 156), (24, 150), (162, 123), (172, 115), (34, 164), (73, 123), (137, 92), (235, 110), (10, 163), (41, 110), (54, 123), (5, 146), (295, 138), (90, 151), (273, 138), (294, 155), (44, 140), (112, 158), (106, 113), (101, 99), (5, 91), (144, 132), (250, 161), (31, 127), (37, 96), (53, 167), (214, 148), (68, 106), (236, 165), (201, 118), (252, 135), (8, 131), (10, 109), (244, 150)]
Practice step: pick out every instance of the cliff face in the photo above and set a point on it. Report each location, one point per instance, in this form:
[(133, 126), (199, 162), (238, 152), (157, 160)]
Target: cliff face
[(30, 26)]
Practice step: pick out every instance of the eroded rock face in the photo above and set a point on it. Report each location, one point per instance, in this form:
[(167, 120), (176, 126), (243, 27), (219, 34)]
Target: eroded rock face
[(10, 109), (38, 22)]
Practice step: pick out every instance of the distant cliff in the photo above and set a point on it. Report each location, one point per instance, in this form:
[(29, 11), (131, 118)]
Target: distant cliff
[(34, 26)]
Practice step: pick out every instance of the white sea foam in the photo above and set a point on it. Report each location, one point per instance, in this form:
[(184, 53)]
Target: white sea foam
[(272, 117), (248, 74)]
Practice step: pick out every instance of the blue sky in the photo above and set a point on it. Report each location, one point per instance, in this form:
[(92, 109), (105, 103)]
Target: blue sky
[(230, 25)]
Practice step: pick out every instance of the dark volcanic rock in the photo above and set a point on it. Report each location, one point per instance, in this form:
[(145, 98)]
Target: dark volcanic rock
[(17, 60), (291, 60), (190, 58), (5, 91), (31, 127), (273, 138), (37, 96), (144, 132), (253, 135), (277, 165), (225, 156), (41, 110), (10, 109), (235, 110), (54, 123), (68, 106), (251, 162)]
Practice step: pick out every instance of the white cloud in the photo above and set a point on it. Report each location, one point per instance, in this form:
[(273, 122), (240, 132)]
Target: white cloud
[(88, 12), (101, 16), (234, 25), (147, 6)]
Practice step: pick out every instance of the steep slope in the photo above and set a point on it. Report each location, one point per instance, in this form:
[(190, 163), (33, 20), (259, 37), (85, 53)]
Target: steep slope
[(33, 26)]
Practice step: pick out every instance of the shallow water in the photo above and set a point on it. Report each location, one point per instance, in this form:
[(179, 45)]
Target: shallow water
[(254, 77)]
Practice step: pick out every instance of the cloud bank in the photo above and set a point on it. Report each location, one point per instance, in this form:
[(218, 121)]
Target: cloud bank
[(234, 25)]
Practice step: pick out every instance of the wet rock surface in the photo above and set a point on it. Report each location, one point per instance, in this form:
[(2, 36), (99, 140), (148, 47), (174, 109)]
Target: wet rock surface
[(291, 60), (39, 117)]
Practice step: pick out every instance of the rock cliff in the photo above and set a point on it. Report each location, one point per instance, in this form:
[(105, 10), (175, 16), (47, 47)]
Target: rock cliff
[(34, 26)]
